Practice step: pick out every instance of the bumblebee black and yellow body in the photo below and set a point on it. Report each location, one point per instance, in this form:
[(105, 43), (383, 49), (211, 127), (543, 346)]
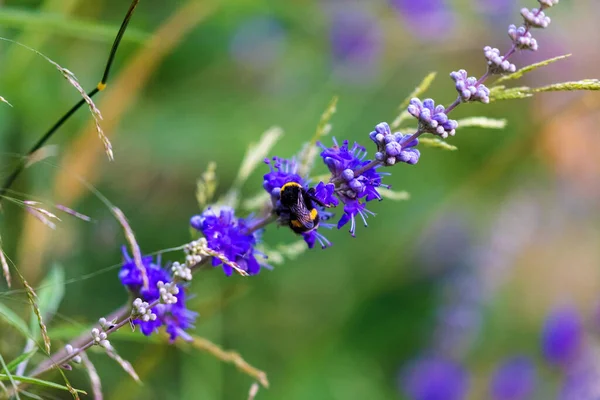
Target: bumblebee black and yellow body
[(304, 217)]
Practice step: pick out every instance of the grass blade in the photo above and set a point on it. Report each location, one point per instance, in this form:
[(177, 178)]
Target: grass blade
[(37, 382), (23, 357), (14, 320), (518, 74), (9, 377)]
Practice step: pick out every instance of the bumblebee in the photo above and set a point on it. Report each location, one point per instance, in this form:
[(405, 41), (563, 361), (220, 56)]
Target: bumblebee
[(299, 203)]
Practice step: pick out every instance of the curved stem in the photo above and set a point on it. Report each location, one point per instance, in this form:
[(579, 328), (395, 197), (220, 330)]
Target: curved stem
[(101, 86)]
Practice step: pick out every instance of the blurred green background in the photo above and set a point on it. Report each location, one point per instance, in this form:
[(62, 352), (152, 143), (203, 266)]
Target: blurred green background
[(512, 212)]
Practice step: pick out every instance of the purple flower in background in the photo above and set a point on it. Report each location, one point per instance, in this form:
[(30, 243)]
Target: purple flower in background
[(175, 317), (562, 336), (582, 380), (514, 379), (428, 20), (258, 42), (434, 379), (356, 42), (228, 235)]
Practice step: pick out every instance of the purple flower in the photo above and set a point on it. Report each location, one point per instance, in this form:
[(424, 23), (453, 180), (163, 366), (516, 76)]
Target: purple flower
[(352, 184), (351, 209), (432, 119), (281, 172), (391, 148), (228, 235), (325, 193), (175, 317), (514, 379), (562, 336), (434, 379)]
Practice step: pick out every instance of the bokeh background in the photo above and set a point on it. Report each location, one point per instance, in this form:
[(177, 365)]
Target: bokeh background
[(495, 236)]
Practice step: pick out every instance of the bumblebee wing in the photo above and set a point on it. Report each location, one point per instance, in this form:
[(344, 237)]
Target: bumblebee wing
[(302, 213)]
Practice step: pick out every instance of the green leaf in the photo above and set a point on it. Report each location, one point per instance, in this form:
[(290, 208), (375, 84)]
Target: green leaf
[(502, 93), (518, 74), (50, 294), (38, 382), (17, 18), (9, 376), (584, 84), (438, 143), (419, 90), (23, 357), (14, 320), (482, 122)]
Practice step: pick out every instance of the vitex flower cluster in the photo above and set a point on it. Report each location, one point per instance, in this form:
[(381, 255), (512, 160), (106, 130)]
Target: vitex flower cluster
[(355, 179)]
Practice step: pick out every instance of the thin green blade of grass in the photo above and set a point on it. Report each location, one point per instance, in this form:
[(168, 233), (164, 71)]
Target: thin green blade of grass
[(529, 68), (9, 377), (38, 382), (14, 320), (42, 21), (21, 358)]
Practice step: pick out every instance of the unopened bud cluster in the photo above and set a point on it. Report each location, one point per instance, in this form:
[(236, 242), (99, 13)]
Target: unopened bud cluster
[(100, 338), (468, 88), (392, 147), (195, 252), (432, 119), (70, 350), (535, 18), (141, 310), (182, 271), (168, 292), (497, 64)]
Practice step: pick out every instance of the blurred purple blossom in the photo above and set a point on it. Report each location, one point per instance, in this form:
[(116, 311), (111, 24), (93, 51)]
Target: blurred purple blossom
[(428, 20), (582, 379), (356, 42), (562, 336), (258, 42), (433, 378), (514, 379)]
